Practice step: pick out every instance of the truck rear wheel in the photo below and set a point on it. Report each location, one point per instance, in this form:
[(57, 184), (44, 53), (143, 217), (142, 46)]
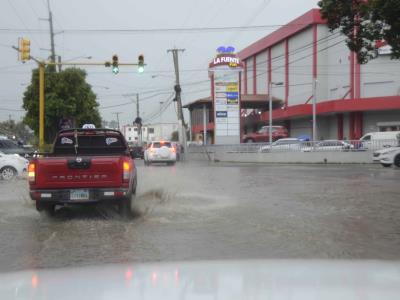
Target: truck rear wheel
[(47, 209), (397, 161), (125, 206)]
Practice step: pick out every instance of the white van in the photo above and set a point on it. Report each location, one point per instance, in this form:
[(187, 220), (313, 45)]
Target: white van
[(379, 140)]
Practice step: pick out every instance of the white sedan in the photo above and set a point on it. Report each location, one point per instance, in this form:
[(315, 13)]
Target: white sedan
[(378, 154), (391, 157), (160, 151), (12, 165), (329, 145), (286, 144)]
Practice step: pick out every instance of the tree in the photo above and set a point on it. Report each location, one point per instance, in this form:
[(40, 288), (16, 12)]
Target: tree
[(175, 136), (67, 96), (364, 22), (19, 130)]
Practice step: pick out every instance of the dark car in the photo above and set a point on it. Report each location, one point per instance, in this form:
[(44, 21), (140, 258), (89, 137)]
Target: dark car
[(137, 151), (9, 147), (262, 135)]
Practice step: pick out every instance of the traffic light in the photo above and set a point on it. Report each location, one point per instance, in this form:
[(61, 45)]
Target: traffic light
[(25, 49), (115, 68), (141, 63)]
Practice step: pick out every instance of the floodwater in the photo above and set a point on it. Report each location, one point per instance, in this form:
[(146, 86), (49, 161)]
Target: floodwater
[(213, 211)]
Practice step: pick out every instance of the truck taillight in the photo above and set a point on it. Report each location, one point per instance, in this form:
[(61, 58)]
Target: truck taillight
[(126, 168), (31, 172)]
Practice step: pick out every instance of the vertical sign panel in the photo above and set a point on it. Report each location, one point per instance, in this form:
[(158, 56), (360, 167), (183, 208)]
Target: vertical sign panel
[(227, 106)]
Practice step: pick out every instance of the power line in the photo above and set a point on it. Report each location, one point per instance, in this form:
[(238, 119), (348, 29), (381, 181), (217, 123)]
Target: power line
[(153, 30), (26, 30), (11, 109)]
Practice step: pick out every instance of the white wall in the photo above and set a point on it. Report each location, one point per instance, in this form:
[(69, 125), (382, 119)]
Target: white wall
[(278, 69), (380, 77), (371, 119), (250, 77), (300, 127), (300, 67), (333, 66), (262, 72)]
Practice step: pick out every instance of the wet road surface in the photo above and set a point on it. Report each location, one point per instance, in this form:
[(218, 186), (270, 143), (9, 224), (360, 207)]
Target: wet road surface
[(200, 211)]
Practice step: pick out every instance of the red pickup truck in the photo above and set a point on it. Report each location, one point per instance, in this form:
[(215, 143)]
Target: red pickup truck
[(86, 166)]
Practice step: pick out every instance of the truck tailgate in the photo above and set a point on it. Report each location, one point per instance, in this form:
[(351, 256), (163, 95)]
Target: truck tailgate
[(78, 172)]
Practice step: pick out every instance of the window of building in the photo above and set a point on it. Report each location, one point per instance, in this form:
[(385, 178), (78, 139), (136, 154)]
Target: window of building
[(129, 138), (129, 129), (151, 130)]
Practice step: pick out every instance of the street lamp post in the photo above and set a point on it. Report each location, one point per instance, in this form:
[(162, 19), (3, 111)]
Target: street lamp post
[(271, 84), (314, 111), (161, 127)]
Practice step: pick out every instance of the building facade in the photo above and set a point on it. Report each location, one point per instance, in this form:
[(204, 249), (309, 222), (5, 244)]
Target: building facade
[(304, 56), (150, 132), (304, 59)]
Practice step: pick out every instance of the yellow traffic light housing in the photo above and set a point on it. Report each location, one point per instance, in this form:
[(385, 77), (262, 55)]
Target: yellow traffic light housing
[(115, 67), (24, 49), (141, 63)]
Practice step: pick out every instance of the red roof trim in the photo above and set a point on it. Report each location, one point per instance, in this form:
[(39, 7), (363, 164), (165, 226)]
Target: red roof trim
[(337, 106), (311, 17)]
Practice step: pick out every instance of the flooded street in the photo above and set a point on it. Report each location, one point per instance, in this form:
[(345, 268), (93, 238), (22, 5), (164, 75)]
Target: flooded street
[(199, 211)]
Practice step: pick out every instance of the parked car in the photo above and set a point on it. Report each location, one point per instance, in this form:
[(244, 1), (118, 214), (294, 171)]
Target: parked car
[(12, 165), (160, 151), (9, 147), (86, 166), (262, 135), (286, 144), (391, 157), (378, 140), (378, 154), (328, 145)]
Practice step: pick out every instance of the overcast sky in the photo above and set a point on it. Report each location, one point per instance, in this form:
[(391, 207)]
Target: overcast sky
[(133, 14)]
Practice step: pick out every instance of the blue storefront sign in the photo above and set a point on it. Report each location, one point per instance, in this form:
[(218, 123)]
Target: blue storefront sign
[(222, 114), (232, 95)]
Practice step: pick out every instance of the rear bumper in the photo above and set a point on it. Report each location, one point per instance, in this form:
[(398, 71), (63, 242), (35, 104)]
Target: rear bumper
[(96, 195), (171, 158)]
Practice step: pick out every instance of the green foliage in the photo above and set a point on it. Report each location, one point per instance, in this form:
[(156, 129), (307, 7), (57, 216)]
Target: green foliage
[(364, 22), (67, 95), (174, 136), (19, 129)]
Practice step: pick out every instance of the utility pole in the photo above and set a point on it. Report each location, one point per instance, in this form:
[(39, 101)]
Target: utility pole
[(161, 129), (137, 106), (117, 114), (53, 51), (178, 90), (52, 46), (314, 111), (139, 126)]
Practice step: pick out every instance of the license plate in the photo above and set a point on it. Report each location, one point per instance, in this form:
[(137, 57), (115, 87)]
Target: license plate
[(79, 195)]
